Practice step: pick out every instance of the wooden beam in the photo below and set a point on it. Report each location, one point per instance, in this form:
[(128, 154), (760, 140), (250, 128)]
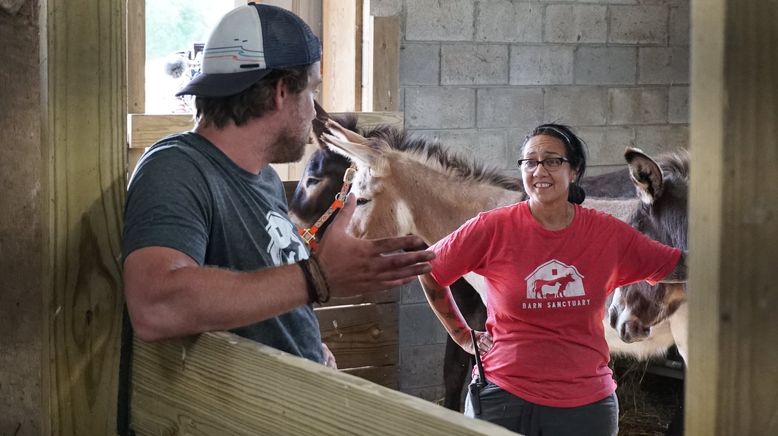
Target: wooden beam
[(136, 57), (339, 19), (731, 381), (145, 130), (386, 63), (220, 384), (84, 149)]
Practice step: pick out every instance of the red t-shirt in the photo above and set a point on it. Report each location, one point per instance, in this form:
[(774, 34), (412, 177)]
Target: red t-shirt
[(546, 296)]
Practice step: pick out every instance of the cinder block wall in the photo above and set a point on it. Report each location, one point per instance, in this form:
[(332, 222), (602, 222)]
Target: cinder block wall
[(479, 74)]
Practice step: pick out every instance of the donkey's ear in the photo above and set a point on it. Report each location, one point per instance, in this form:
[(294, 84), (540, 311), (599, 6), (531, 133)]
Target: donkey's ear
[(364, 155), (645, 173)]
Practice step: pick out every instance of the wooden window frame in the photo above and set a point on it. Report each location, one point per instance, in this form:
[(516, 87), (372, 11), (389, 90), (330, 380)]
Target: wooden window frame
[(340, 24)]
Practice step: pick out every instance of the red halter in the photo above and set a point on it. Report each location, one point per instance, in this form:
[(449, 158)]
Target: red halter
[(309, 234)]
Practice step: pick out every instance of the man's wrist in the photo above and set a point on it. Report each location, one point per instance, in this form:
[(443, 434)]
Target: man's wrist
[(318, 289)]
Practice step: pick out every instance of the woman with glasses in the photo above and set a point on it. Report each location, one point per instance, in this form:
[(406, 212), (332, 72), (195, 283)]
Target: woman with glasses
[(549, 265)]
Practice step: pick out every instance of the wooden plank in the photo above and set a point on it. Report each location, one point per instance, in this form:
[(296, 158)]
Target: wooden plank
[(731, 385), (388, 296), (387, 376), (358, 61), (133, 157), (136, 57), (386, 63), (339, 18), (220, 384), (361, 335), (145, 130), (84, 149)]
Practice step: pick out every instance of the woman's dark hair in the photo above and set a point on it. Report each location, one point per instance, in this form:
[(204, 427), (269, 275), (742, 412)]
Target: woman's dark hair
[(575, 149), (251, 103)]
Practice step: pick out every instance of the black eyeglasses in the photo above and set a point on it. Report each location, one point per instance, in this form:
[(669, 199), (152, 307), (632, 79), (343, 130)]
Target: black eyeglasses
[(549, 163)]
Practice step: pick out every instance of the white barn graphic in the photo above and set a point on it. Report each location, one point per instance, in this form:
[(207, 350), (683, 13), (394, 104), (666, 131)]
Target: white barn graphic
[(554, 279)]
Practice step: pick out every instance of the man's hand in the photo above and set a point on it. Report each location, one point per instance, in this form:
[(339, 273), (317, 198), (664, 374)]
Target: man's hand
[(353, 266)]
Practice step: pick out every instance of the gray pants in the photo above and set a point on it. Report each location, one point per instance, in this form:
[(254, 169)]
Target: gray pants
[(507, 410)]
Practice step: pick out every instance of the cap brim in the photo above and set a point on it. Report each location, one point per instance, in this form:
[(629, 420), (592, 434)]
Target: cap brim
[(221, 85)]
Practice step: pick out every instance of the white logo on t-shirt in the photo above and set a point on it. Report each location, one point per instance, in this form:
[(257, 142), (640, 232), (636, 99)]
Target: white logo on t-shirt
[(554, 279), (284, 247)]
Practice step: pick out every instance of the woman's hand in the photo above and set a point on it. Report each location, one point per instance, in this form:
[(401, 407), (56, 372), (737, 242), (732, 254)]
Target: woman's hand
[(484, 340)]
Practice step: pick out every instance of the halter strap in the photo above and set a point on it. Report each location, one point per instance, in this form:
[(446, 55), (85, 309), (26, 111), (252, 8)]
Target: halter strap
[(309, 234)]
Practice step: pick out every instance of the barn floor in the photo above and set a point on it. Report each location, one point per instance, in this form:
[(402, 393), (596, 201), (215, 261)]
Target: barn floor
[(647, 402)]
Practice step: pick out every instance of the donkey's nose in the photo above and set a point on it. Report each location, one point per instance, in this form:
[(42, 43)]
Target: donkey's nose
[(633, 331), (613, 317)]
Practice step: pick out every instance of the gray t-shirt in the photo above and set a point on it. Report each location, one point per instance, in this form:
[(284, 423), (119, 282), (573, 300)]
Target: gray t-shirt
[(187, 195)]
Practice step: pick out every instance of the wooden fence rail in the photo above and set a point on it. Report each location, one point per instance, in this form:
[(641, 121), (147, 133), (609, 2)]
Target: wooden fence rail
[(221, 384)]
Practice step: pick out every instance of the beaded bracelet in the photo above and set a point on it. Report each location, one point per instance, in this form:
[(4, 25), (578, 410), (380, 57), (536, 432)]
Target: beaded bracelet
[(322, 287), (318, 290)]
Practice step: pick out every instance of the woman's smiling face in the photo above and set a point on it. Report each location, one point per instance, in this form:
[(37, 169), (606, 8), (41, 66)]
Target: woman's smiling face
[(541, 184)]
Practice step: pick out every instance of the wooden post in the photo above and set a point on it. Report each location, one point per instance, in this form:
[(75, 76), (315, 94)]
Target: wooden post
[(136, 70), (731, 381), (386, 63), (339, 21), (84, 149)]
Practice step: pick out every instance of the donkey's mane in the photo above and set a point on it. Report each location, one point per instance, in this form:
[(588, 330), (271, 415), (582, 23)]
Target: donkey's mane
[(431, 151), (675, 162)]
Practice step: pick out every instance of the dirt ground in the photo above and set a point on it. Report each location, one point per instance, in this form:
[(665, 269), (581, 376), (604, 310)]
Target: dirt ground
[(647, 402)]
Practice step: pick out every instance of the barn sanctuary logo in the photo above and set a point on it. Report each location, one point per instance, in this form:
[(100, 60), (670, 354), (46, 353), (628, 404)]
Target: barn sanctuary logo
[(555, 285)]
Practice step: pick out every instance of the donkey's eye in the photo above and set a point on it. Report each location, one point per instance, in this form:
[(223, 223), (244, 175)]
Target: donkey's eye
[(362, 201), (311, 181)]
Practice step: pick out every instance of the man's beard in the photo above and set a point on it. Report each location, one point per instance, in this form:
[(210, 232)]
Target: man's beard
[(288, 148)]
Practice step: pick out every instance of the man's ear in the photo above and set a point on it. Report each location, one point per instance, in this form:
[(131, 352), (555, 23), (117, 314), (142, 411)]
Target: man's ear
[(281, 93)]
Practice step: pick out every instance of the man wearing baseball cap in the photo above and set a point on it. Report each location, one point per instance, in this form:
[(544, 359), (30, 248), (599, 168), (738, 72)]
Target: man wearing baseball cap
[(207, 244)]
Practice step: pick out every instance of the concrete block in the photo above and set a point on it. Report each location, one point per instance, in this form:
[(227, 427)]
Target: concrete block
[(678, 110), (386, 8), (621, 2), (680, 24), (421, 366), (638, 105), (606, 145), (419, 64), (644, 24), (658, 139), (576, 23), (596, 170), (439, 108), (605, 65), (508, 21), (472, 64), (663, 65), (507, 107), (420, 326), (434, 20), (541, 65), (576, 105), (412, 293), (487, 147)]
